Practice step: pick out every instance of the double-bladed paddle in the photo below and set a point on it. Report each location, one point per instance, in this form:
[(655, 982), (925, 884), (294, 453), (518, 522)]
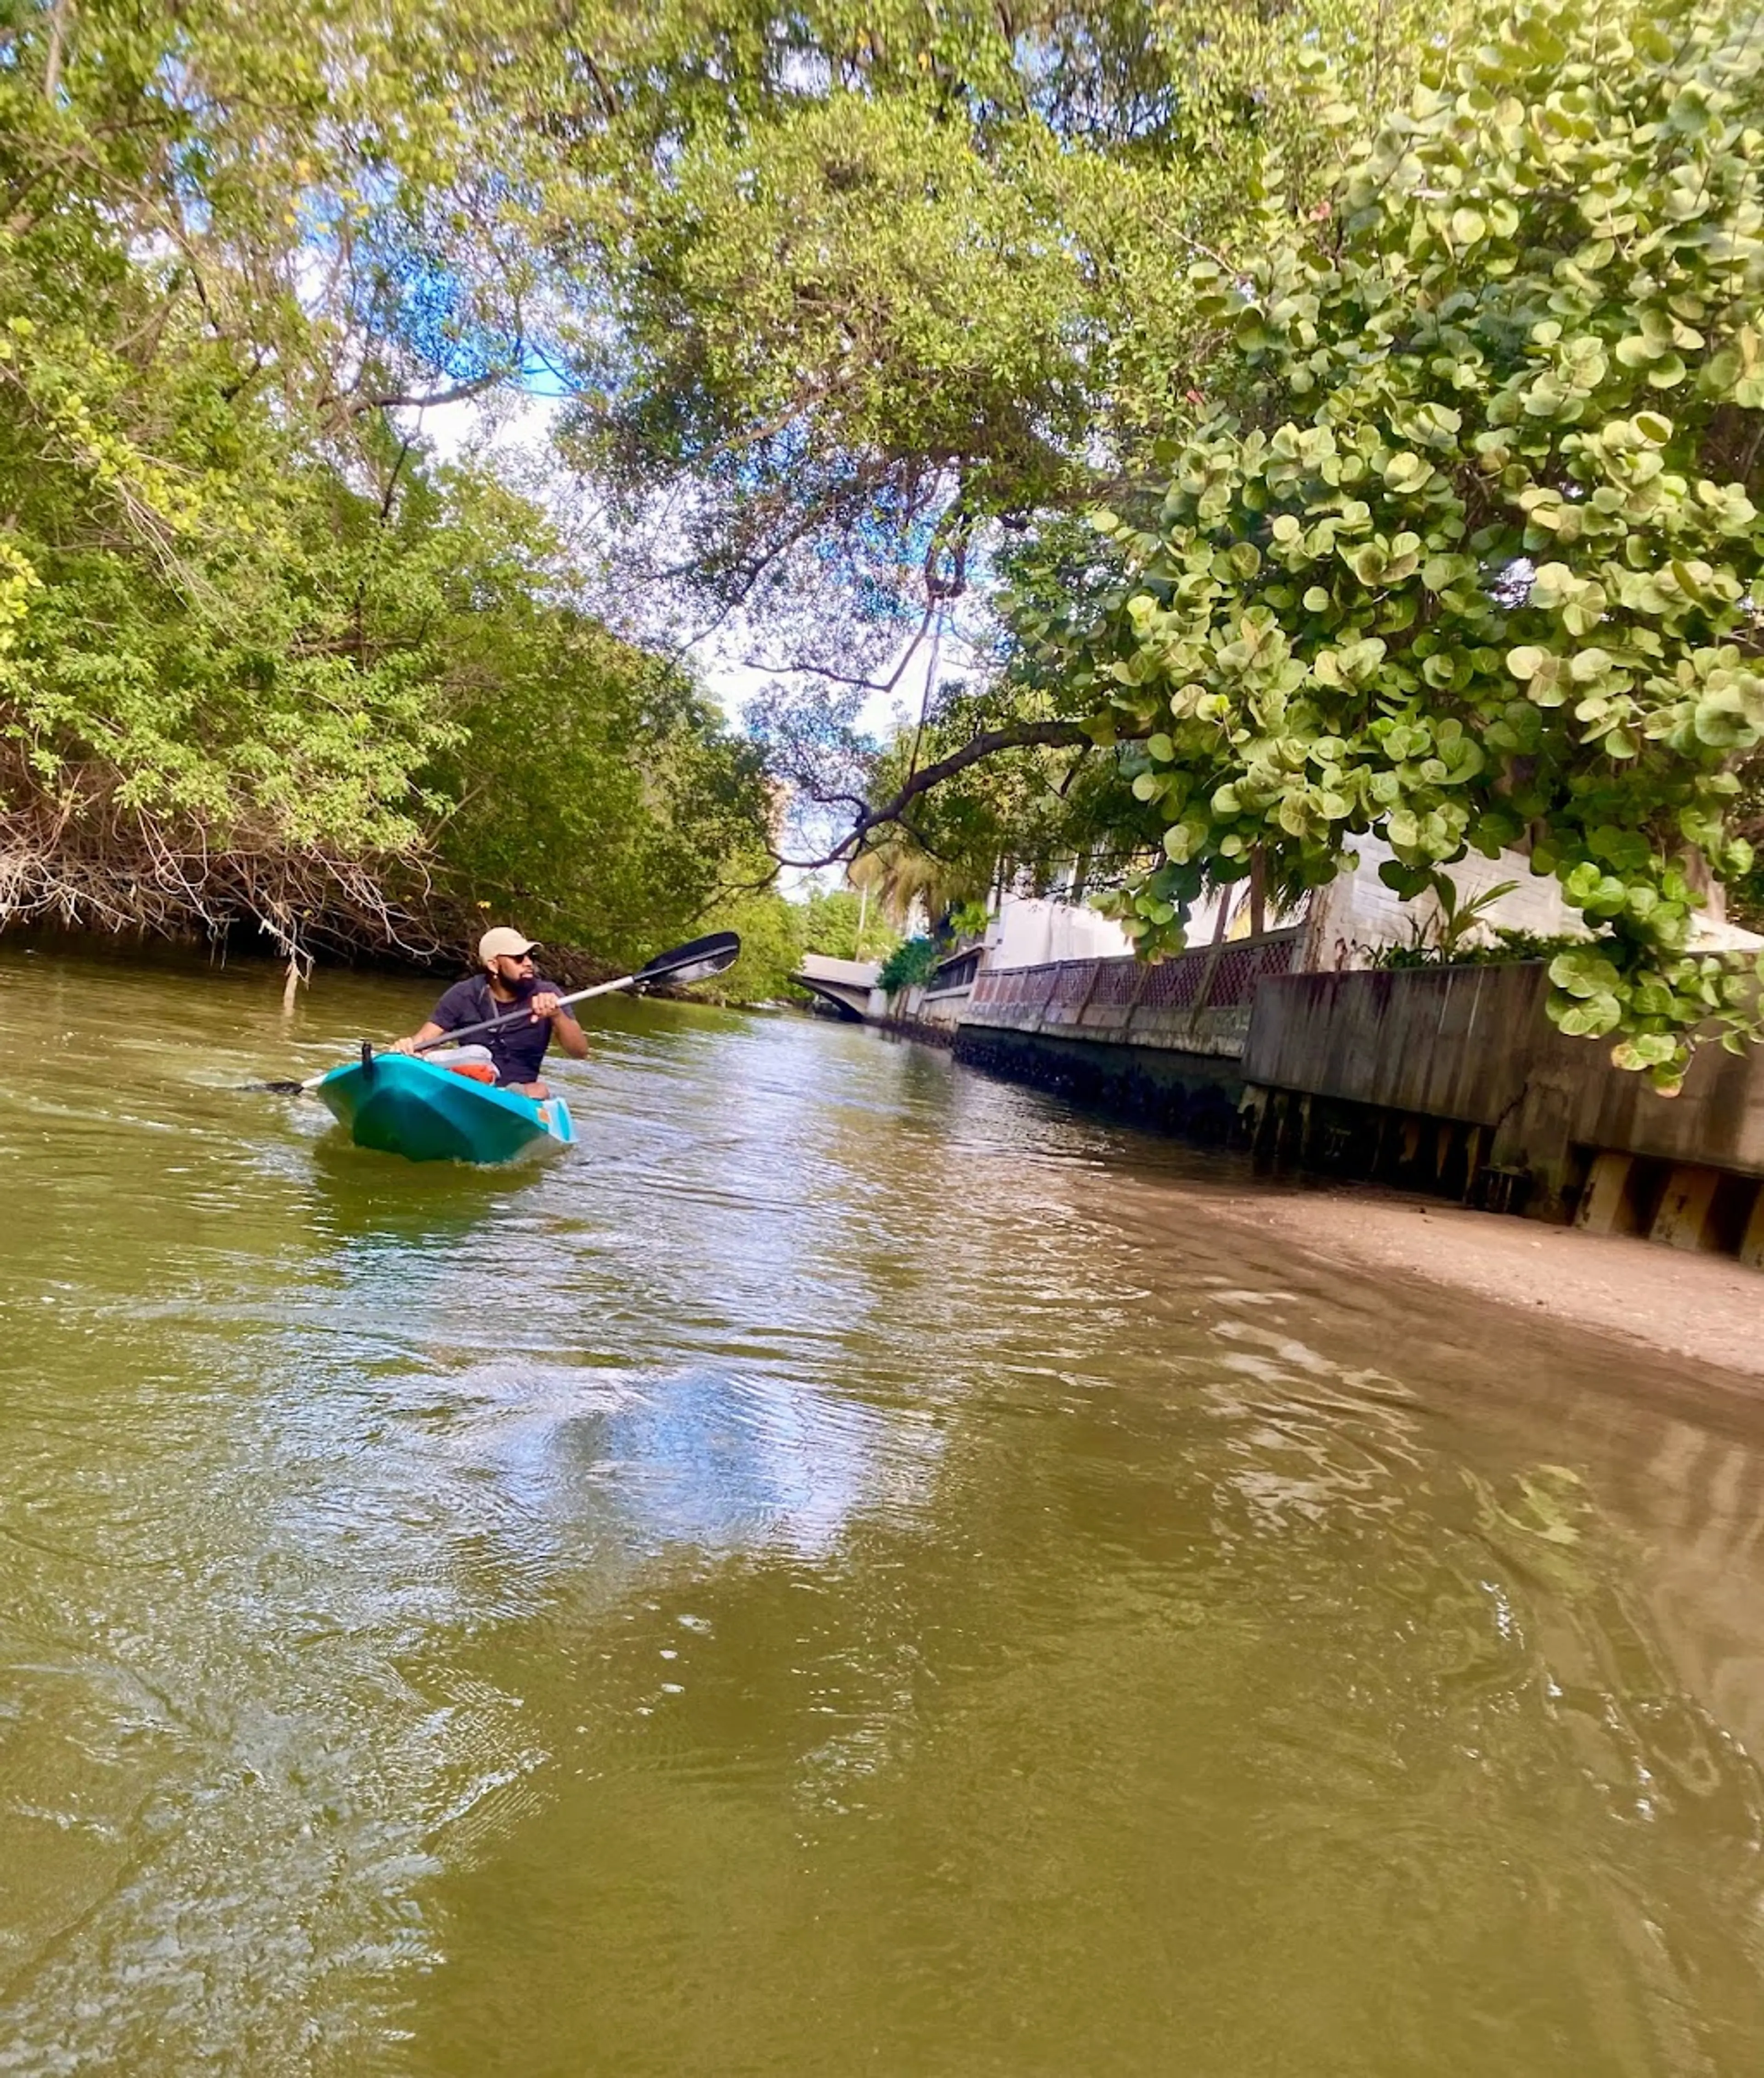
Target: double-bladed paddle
[(696, 960)]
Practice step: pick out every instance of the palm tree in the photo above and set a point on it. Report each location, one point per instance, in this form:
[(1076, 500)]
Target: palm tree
[(900, 876)]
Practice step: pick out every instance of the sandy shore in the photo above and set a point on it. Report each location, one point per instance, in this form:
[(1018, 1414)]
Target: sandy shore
[(1706, 1308)]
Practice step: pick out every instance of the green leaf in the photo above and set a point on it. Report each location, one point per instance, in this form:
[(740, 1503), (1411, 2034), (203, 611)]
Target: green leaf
[(1584, 972), (1646, 1049), (1592, 1019)]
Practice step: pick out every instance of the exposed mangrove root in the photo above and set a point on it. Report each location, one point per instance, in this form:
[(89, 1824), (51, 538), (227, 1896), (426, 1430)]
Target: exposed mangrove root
[(125, 873)]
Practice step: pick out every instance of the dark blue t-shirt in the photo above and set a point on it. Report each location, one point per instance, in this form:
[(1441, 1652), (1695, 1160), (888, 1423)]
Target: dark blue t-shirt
[(518, 1051)]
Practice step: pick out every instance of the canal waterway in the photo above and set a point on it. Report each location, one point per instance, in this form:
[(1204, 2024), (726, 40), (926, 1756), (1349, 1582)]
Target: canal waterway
[(844, 1573)]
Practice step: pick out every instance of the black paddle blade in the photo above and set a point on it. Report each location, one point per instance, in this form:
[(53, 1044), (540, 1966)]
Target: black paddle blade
[(696, 960), (276, 1089)]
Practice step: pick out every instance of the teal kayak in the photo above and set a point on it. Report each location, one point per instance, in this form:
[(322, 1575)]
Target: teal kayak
[(402, 1105)]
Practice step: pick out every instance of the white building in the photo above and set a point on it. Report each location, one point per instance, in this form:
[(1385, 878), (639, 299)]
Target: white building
[(1351, 918)]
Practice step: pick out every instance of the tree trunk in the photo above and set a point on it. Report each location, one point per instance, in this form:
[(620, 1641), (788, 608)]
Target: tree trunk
[(1227, 901), (1704, 883), (60, 14)]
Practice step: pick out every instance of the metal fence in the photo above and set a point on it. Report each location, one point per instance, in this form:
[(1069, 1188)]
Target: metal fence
[(1064, 989)]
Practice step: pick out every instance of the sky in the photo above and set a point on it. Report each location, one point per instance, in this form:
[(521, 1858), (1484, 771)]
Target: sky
[(519, 425)]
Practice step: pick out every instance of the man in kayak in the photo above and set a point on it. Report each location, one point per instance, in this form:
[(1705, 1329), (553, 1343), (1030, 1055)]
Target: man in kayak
[(509, 979)]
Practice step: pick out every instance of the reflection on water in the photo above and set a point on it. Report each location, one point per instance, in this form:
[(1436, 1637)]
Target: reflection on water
[(852, 1570)]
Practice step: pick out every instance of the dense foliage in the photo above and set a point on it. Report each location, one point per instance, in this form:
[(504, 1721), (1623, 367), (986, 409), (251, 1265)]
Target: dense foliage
[(255, 652), (592, 787), (776, 930), (843, 283), (911, 965), (844, 924), (1468, 553)]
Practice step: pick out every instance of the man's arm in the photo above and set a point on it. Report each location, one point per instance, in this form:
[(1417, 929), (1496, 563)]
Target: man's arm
[(458, 1006), (569, 1035), (565, 1029), (430, 1031)]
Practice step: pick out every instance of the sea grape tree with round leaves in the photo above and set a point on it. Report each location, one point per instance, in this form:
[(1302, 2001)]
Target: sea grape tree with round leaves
[(1473, 559)]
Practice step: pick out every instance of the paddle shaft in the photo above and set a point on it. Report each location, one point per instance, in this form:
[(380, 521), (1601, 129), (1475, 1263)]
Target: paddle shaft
[(521, 1014), (696, 961), (464, 1032)]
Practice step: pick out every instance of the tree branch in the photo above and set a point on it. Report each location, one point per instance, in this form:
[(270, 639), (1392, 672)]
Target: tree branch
[(384, 400), (392, 481), (58, 16), (844, 677), (1019, 735)]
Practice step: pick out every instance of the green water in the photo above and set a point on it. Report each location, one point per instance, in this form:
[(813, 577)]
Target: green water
[(852, 1571)]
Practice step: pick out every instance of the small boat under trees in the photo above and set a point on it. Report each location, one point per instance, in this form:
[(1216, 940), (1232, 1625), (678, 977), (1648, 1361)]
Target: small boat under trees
[(433, 1106)]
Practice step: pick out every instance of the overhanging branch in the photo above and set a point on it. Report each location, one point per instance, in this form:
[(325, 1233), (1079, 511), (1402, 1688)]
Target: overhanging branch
[(1019, 735), (418, 400)]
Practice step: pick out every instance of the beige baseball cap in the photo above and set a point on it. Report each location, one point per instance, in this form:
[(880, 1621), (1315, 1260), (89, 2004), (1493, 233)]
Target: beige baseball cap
[(503, 944)]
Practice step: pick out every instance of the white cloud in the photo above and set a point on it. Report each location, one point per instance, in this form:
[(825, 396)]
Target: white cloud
[(505, 423)]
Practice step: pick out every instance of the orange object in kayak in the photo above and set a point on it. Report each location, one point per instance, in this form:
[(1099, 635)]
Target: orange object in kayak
[(477, 1071)]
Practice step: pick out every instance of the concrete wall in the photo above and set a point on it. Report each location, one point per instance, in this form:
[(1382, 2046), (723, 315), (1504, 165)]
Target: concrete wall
[(1471, 1048), (1161, 1043), (1437, 1039), (1035, 931), (935, 1011), (1356, 913), (1197, 1096), (1198, 1004)]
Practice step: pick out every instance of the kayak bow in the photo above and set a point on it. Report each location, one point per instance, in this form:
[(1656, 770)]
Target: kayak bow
[(405, 1105)]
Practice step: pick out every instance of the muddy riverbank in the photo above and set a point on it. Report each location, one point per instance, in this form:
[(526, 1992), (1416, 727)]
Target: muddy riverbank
[(1706, 1309)]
